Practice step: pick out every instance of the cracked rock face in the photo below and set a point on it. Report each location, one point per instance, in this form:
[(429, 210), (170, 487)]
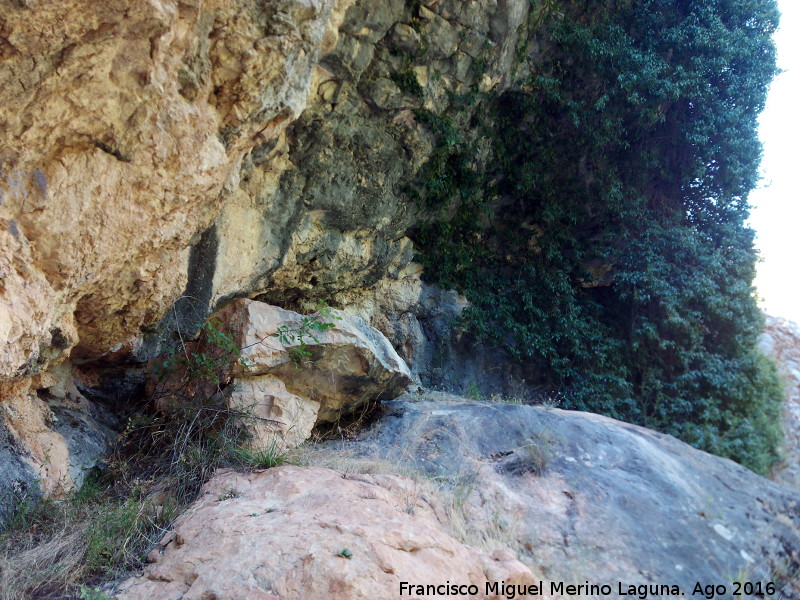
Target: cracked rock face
[(294, 533), (120, 123), (326, 202), (159, 158), (51, 435), (128, 129)]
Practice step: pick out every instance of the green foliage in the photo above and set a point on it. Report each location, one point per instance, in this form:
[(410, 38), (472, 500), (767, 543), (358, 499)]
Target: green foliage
[(211, 364), (473, 393), (188, 429), (88, 533), (167, 451), (123, 531), (93, 594), (407, 81), (345, 553), (319, 322), (604, 242), (20, 511), (262, 458)]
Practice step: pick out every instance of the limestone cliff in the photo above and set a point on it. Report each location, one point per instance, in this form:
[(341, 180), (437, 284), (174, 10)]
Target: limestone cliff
[(160, 157), (121, 124), (129, 130)]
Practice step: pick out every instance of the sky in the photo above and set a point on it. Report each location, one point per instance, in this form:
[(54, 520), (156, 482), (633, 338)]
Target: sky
[(776, 204)]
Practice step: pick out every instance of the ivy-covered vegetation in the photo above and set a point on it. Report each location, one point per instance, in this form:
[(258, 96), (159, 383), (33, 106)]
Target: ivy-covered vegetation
[(594, 215)]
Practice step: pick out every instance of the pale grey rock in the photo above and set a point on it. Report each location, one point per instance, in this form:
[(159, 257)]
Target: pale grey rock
[(406, 38), (274, 418), (88, 429), (600, 498), (323, 210), (439, 33), (345, 366), (386, 94)]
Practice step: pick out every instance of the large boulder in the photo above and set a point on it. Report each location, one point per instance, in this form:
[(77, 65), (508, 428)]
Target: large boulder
[(334, 359), (275, 418), (574, 497), (282, 372), (599, 500), (295, 533)]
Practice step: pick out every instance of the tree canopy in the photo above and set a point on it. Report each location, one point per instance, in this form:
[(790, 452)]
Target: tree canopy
[(614, 258)]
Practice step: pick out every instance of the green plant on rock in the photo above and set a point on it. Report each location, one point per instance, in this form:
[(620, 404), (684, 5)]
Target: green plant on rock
[(267, 457), (296, 338), (408, 83), (88, 593), (188, 429), (211, 361)]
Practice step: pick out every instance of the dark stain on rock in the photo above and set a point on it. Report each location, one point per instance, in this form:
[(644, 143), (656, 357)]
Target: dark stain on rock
[(40, 179), (116, 153), (193, 306), (58, 339)]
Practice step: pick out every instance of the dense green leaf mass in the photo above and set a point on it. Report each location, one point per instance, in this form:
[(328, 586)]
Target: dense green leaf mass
[(605, 243)]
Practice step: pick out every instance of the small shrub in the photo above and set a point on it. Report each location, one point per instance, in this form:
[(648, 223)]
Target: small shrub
[(262, 458), (317, 322), (210, 362), (167, 451), (406, 80), (501, 399), (537, 453), (473, 393), (93, 594), (51, 545), (20, 510)]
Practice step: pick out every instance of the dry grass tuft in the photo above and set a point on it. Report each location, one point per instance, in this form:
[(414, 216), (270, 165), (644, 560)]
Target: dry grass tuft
[(453, 498), (48, 546), (53, 565)]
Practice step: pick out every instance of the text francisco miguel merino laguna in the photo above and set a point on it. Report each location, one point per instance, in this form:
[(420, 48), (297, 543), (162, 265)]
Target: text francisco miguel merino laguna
[(511, 591)]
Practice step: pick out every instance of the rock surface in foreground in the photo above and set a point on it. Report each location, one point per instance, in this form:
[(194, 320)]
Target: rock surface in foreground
[(576, 496), (282, 534), (600, 500)]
